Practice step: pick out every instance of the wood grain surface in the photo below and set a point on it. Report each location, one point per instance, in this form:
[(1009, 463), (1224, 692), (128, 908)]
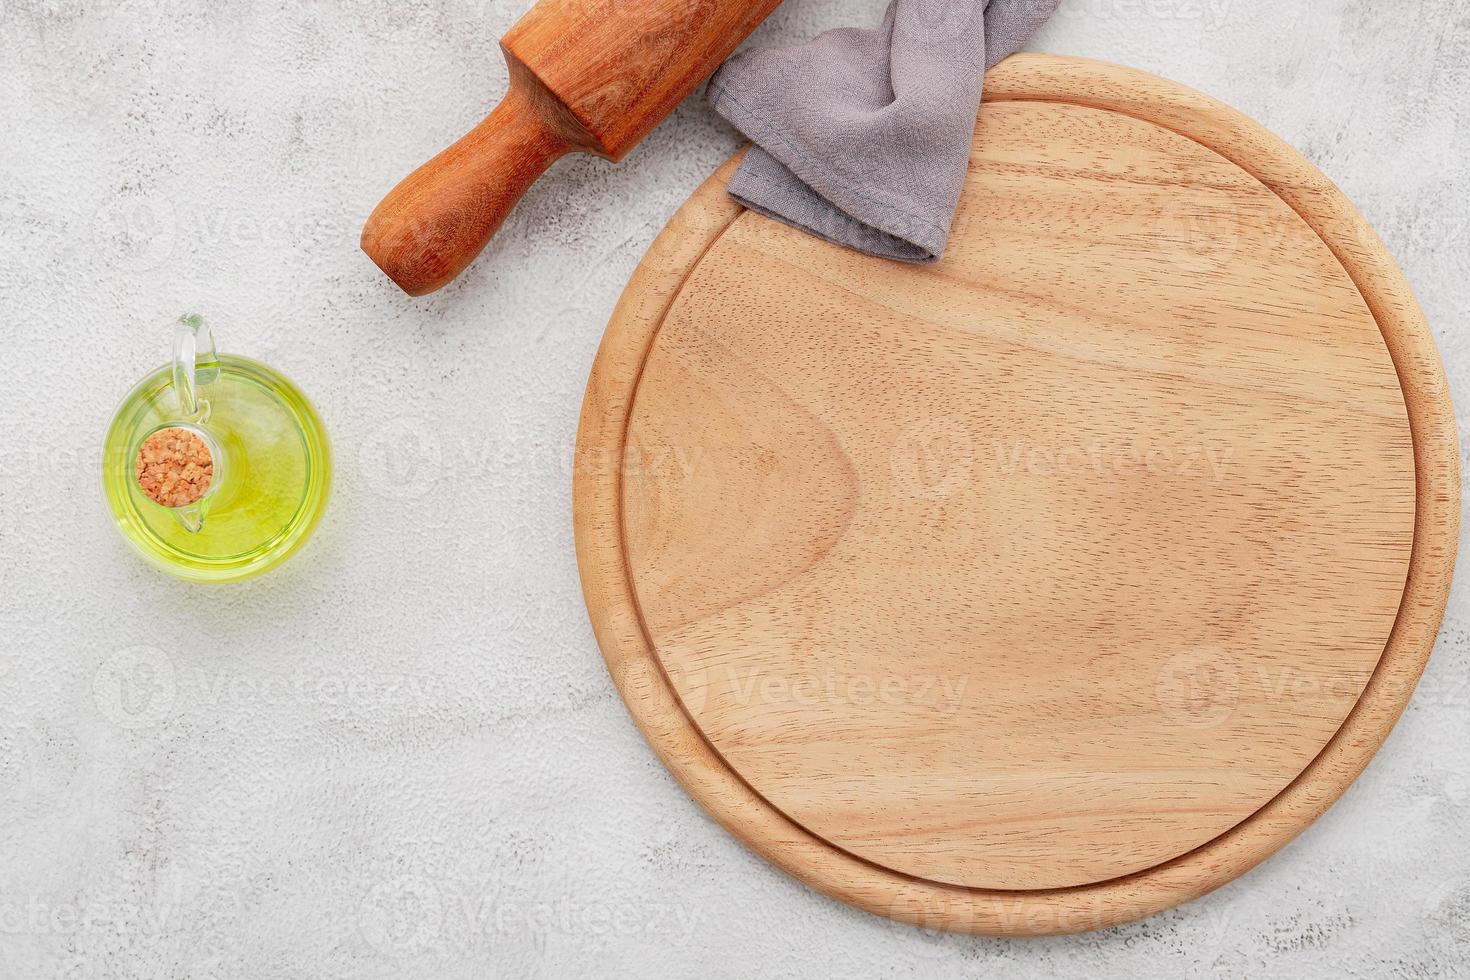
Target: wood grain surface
[(1051, 584)]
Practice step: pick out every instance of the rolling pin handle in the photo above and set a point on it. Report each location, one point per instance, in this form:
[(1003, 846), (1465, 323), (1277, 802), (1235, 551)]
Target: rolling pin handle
[(440, 217)]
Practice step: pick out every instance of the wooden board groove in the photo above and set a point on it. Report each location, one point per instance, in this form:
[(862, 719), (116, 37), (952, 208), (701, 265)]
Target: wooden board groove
[(884, 885)]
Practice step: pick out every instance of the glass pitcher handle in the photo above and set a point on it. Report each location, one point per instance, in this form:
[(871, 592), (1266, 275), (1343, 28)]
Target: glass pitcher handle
[(195, 364)]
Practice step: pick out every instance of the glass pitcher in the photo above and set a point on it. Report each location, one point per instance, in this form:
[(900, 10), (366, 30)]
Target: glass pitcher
[(271, 463)]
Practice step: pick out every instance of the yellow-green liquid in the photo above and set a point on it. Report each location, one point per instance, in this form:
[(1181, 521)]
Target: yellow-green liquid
[(271, 482)]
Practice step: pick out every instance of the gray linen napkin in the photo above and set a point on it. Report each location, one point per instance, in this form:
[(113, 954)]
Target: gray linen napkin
[(862, 135)]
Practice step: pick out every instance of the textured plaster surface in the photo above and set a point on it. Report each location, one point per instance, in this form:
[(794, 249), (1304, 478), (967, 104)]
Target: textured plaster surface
[(400, 754)]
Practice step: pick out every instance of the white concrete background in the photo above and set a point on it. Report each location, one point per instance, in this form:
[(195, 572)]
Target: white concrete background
[(400, 755)]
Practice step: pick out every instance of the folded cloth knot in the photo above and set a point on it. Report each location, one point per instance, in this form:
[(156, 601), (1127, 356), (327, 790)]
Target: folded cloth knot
[(862, 135)]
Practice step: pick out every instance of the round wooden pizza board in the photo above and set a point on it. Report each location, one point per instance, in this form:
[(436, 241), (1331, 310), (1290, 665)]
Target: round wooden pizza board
[(1055, 583)]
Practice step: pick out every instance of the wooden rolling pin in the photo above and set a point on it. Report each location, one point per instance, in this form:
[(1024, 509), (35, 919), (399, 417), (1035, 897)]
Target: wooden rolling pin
[(588, 75)]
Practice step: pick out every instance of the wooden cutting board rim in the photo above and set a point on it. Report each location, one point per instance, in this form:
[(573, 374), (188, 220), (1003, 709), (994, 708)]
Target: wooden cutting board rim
[(724, 793)]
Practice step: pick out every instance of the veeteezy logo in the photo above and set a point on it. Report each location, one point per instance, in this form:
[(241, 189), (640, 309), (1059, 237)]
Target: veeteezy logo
[(754, 686), (411, 914), (135, 687), (139, 687), (1210, 14), (939, 457)]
